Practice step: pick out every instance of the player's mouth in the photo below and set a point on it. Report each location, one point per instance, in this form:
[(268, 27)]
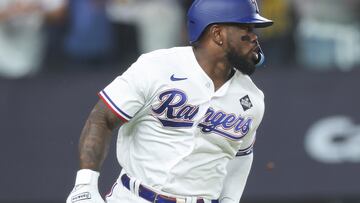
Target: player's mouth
[(255, 53)]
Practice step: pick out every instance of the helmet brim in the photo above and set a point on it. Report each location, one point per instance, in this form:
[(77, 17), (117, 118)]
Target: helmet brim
[(257, 20)]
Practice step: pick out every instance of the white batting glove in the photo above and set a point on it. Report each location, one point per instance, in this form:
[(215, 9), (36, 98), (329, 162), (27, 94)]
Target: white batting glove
[(86, 188)]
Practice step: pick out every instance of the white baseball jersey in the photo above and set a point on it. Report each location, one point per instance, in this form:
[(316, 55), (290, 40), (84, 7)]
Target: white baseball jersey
[(180, 133)]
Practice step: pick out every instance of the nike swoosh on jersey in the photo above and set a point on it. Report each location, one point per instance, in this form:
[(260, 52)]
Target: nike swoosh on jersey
[(173, 78)]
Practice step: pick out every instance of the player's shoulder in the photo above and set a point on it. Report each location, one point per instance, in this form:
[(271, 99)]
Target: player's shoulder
[(160, 62), (163, 60), (162, 55), (249, 85)]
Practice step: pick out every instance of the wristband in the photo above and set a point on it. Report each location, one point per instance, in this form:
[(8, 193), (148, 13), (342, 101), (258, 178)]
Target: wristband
[(86, 176)]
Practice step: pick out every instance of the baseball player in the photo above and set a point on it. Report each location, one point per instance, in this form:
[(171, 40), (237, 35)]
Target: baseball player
[(187, 115)]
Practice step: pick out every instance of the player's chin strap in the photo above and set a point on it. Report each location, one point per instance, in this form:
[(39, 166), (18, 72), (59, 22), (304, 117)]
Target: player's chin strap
[(261, 58)]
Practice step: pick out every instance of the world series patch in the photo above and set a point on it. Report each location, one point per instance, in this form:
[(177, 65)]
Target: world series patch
[(246, 103)]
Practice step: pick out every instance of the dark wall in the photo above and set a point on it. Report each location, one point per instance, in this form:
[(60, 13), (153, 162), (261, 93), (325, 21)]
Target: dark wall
[(307, 146)]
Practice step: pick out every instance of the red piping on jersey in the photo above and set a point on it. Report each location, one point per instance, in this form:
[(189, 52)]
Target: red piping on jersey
[(111, 190), (111, 108)]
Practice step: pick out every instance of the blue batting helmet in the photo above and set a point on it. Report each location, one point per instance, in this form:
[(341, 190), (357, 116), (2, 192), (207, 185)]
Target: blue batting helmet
[(205, 12)]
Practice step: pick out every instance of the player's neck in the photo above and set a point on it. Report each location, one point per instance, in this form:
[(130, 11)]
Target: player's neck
[(214, 66)]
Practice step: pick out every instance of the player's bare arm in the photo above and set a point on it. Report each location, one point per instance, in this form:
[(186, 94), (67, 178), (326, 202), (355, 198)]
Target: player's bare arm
[(96, 135), (93, 147)]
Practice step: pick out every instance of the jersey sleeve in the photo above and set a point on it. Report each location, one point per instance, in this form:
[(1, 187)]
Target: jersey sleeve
[(238, 171), (125, 96), (247, 146)]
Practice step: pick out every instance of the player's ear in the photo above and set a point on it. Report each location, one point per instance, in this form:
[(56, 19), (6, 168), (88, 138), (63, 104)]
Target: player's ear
[(217, 33)]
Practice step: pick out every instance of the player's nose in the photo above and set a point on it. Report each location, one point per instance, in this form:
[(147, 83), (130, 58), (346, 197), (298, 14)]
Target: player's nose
[(253, 37)]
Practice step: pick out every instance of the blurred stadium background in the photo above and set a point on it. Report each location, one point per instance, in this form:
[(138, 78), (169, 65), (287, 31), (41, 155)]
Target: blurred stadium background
[(55, 55)]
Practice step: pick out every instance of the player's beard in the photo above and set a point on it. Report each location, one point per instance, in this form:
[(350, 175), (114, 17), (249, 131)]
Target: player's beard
[(240, 62)]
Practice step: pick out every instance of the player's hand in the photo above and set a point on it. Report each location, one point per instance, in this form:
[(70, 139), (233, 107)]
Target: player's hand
[(86, 188)]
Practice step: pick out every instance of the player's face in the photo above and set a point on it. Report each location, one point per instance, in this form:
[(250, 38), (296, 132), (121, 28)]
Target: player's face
[(241, 49)]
